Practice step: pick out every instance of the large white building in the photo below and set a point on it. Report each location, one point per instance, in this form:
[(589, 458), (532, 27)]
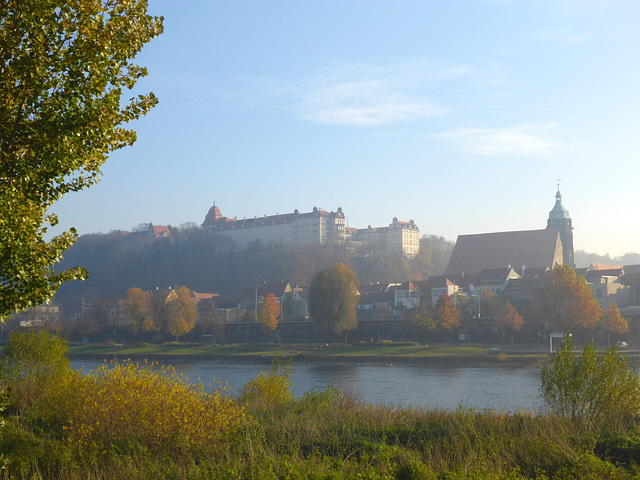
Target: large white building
[(296, 229), (398, 237)]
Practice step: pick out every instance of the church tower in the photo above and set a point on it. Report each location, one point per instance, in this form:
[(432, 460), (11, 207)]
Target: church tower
[(560, 220)]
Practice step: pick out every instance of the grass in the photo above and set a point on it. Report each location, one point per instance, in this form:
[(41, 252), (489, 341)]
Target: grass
[(323, 435), (359, 352)]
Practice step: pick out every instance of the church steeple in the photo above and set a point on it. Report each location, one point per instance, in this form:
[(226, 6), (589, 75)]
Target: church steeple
[(560, 220), (559, 212)]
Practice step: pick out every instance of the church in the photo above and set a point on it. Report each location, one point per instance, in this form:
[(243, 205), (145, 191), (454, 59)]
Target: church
[(528, 250)]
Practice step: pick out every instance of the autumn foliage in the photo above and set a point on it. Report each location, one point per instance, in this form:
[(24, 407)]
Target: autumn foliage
[(120, 403), (116, 407), (565, 301), (269, 311), (446, 314)]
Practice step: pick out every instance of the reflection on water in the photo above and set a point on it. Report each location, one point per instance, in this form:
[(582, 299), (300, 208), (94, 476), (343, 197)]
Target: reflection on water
[(496, 388)]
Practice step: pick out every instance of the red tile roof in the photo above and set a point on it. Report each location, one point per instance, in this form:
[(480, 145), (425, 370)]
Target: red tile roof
[(603, 266)]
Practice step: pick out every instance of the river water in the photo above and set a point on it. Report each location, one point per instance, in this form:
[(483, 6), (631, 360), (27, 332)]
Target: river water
[(508, 389)]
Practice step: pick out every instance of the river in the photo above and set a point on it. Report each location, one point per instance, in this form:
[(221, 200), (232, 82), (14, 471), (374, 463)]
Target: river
[(508, 389)]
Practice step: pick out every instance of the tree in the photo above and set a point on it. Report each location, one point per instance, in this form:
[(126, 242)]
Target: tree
[(446, 315), (64, 66), (600, 392), (433, 256), (160, 310), (182, 312), (565, 301), (32, 364), (137, 309), (109, 313), (507, 319), (333, 299), (613, 322), (423, 318), (269, 311)]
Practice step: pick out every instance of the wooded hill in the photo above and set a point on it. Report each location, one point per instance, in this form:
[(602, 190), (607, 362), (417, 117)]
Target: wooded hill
[(207, 262)]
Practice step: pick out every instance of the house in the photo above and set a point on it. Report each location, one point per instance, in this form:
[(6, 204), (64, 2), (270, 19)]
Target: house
[(375, 305), (405, 297), (435, 287), (632, 279), (608, 285), (520, 291), (297, 308), (495, 280), (224, 307)]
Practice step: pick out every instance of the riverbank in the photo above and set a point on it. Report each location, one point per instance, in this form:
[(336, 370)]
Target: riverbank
[(366, 353), (136, 422)]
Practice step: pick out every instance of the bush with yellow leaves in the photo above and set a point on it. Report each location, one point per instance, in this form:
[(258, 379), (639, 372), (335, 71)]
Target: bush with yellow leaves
[(121, 405), (117, 407)]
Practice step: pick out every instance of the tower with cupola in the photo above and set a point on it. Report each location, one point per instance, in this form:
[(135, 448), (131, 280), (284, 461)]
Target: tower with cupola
[(560, 220)]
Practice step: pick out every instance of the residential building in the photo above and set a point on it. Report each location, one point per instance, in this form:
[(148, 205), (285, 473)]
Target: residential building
[(375, 305), (405, 297), (608, 285)]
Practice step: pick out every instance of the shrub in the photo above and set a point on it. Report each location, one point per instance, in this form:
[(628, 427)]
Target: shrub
[(603, 393), (34, 362), (269, 388), (117, 407), (123, 405)]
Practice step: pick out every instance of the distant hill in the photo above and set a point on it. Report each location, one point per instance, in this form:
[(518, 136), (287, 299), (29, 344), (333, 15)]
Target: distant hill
[(160, 257), (584, 259)]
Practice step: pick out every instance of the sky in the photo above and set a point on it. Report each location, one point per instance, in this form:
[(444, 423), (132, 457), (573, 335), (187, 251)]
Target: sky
[(460, 115)]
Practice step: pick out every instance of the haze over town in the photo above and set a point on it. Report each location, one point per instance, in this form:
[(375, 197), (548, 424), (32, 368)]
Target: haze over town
[(457, 115)]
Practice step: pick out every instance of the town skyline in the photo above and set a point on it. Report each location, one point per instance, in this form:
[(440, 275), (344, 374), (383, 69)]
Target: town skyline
[(459, 117)]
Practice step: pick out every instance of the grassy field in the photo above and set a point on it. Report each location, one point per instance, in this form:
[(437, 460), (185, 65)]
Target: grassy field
[(366, 352)]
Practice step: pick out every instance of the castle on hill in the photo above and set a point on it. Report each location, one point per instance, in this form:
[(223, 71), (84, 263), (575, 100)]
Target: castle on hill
[(316, 228)]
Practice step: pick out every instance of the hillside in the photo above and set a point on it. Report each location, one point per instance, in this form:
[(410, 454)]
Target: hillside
[(205, 262)]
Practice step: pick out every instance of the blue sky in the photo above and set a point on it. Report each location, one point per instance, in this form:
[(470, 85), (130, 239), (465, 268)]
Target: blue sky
[(459, 115)]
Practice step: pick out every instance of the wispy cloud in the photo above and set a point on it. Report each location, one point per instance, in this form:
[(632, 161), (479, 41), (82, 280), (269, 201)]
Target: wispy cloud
[(558, 34), (533, 140), (369, 95)]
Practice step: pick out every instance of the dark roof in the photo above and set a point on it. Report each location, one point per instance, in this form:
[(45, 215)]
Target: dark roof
[(435, 281), (531, 248), (278, 289), (516, 285), (534, 272), (375, 297), (496, 275), (371, 287), (220, 301)]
